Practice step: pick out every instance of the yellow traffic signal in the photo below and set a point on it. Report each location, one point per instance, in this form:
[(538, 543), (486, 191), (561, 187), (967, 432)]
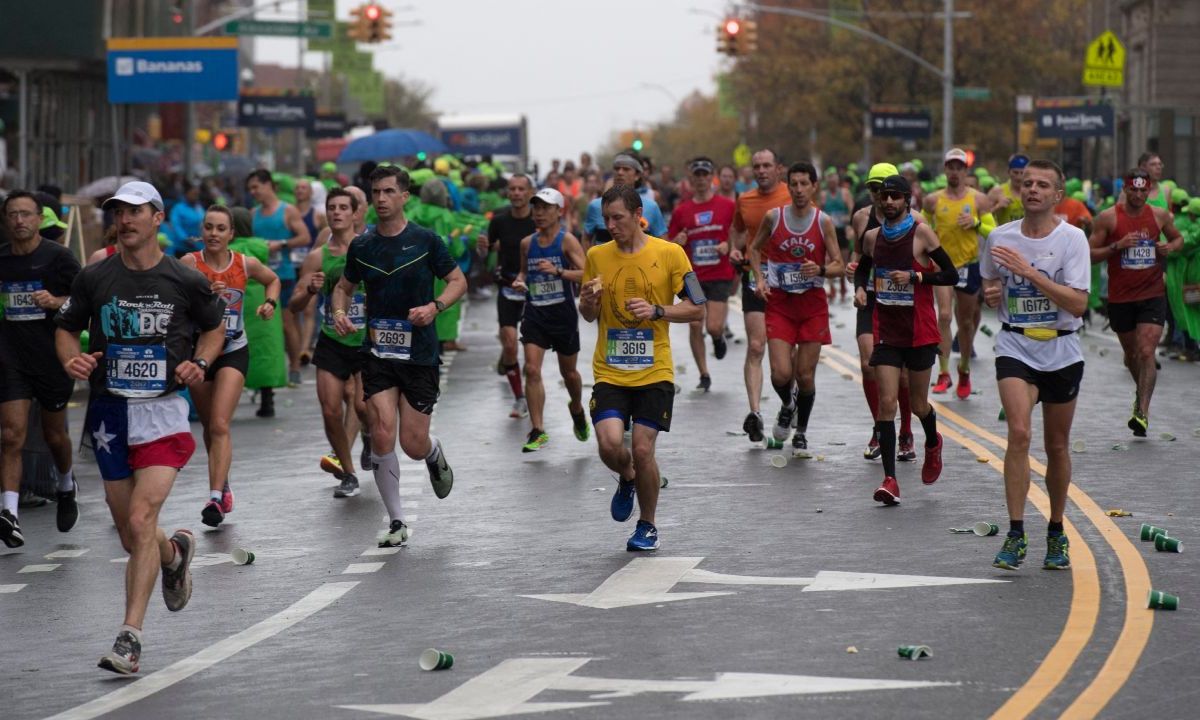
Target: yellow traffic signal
[(358, 25), (371, 23)]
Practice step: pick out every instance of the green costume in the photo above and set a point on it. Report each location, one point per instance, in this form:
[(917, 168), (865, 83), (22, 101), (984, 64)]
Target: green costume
[(268, 361), (1188, 273)]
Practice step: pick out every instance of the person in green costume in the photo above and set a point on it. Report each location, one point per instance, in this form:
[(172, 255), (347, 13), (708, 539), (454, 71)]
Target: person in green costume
[(268, 362), (1191, 280), (431, 212)]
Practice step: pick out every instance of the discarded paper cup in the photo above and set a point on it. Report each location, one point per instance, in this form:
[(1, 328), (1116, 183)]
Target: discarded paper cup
[(432, 659), (1160, 600), (985, 529), (773, 444), (1163, 543), (1078, 446), (1166, 437), (242, 557), (1001, 417), (915, 652), (778, 461), (1149, 532)]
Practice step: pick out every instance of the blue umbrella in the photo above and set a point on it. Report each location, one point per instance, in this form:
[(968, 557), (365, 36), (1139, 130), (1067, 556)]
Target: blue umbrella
[(390, 144)]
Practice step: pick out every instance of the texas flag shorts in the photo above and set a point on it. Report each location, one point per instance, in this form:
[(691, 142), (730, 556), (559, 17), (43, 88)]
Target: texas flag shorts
[(129, 434)]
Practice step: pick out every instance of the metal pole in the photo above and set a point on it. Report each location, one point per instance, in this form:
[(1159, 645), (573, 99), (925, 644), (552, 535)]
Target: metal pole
[(23, 119), (189, 132), (866, 134), (948, 77)]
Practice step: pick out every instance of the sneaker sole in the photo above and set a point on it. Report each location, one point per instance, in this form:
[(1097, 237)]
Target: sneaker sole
[(330, 467), (1056, 567), (907, 457), (211, 517), (107, 664), (352, 493), (634, 548), (1005, 566), (886, 497), (1136, 427)]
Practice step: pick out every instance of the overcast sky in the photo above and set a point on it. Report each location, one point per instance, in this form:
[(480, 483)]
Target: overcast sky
[(578, 70)]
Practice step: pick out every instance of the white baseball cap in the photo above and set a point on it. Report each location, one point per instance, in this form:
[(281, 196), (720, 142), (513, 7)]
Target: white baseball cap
[(956, 154), (550, 196), (136, 193)]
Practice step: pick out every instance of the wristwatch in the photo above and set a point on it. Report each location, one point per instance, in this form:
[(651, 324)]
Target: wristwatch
[(272, 302), (201, 363), (439, 305), (659, 312)]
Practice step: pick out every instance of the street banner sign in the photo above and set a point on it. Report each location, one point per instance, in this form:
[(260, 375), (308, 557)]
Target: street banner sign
[(1078, 121), (498, 140), (908, 125), (1104, 64), (280, 28), (276, 111), (328, 125), (172, 69)]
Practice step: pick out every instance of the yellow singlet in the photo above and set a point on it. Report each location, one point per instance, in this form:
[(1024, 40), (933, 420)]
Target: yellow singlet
[(961, 245), (1014, 211)]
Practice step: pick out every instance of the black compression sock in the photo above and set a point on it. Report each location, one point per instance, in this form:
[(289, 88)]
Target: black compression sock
[(929, 425), (886, 430), (784, 392), (1054, 528), (1016, 527), (804, 404)]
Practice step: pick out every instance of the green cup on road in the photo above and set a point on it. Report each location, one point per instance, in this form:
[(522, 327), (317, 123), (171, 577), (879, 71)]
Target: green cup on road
[(242, 557), (1149, 532), (985, 529), (915, 652), (433, 659), (773, 444), (1162, 543), (1160, 600)]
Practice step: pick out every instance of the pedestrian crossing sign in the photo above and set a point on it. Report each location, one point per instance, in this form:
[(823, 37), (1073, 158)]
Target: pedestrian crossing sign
[(1104, 65)]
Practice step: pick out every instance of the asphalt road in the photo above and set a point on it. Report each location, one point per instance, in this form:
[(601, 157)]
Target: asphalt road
[(777, 592)]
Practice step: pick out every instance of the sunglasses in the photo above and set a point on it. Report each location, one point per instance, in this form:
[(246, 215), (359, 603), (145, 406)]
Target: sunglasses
[(893, 195)]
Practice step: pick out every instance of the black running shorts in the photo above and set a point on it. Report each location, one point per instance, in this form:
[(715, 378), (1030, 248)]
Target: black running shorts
[(417, 383), (1054, 386)]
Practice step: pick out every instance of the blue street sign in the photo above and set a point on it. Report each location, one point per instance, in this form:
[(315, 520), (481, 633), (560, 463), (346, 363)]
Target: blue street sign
[(1075, 122), (906, 125), (172, 69), (500, 140)]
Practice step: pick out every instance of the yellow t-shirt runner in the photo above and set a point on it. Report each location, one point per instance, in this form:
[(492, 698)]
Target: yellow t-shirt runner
[(1014, 211), (632, 352), (962, 245)]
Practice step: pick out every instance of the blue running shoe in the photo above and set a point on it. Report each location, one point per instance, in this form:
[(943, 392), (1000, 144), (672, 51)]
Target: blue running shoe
[(644, 538), (1012, 553), (622, 500), (1057, 556)]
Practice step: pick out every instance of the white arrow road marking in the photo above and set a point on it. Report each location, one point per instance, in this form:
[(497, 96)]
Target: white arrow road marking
[(508, 688), (643, 581), (10, 588), (48, 567), (68, 553), (646, 581)]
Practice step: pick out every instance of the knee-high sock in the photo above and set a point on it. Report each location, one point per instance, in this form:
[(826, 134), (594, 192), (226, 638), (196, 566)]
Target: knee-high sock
[(871, 390), (784, 392), (387, 479), (513, 373), (804, 406), (886, 430), (929, 425), (905, 411)]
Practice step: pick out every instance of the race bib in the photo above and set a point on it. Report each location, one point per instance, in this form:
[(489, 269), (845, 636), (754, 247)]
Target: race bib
[(511, 293), (547, 291), (704, 252), (136, 370), (18, 301), (630, 349), (233, 312), (1029, 308), (298, 255), (391, 339), (275, 259), (751, 283), (1140, 256), (888, 292), (790, 279), (964, 276)]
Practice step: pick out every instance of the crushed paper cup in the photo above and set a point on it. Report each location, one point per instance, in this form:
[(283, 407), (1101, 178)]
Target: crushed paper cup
[(914, 652), (1078, 446), (1160, 600), (433, 659), (852, 650), (242, 557), (779, 461), (1118, 512)]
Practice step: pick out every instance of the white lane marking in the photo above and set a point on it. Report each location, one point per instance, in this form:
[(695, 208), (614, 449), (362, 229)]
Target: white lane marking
[(406, 504), (362, 568), (411, 518), (380, 551), (310, 604), (712, 485), (73, 553), (49, 567), (410, 490), (10, 588)]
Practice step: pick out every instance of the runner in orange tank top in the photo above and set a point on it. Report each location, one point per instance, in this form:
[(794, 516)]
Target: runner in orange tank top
[(216, 397)]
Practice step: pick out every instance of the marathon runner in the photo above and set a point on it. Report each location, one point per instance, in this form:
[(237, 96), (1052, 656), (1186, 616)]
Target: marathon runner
[(552, 259), (767, 194), (1127, 237), (701, 225), (837, 202), (903, 261), (1038, 272), (314, 220), (142, 310), (865, 219), (626, 170), (508, 227), (1006, 197), (630, 285), (959, 215), (217, 397), (799, 245), (339, 359), (396, 263), (35, 280)]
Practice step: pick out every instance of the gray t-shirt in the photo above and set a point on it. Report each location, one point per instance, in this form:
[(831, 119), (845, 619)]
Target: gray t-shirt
[(1064, 257)]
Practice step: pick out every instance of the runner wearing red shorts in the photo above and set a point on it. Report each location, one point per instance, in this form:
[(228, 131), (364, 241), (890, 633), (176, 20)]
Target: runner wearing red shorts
[(799, 243)]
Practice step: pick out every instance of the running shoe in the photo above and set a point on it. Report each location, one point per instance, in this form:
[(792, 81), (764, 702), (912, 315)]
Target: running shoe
[(348, 487), (536, 441), (906, 452), (66, 514), (783, 423), (1057, 555), (872, 451), (364, 460), (1012, 553), (800, 447), (441, 477), (500, 366), (1139, 423), (212, 515), (931, 469), (705, 383), (644, 538), (177, 583), (124, 656), (331, 465), (753, 427), (622, 500), (964, 385), (10, 530), (520, 409), (719, 347), (943, 384), (395, 536), (226, 499), (889, 492), (293, 379), (579, 424)]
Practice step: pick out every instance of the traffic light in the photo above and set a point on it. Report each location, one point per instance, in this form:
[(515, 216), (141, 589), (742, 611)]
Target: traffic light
[(220, 141), (372, 23), (749, 36), (727, 37), (637, 144)]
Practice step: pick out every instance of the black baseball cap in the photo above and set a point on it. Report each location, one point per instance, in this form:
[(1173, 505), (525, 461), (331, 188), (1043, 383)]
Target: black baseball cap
[(896, 183)]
